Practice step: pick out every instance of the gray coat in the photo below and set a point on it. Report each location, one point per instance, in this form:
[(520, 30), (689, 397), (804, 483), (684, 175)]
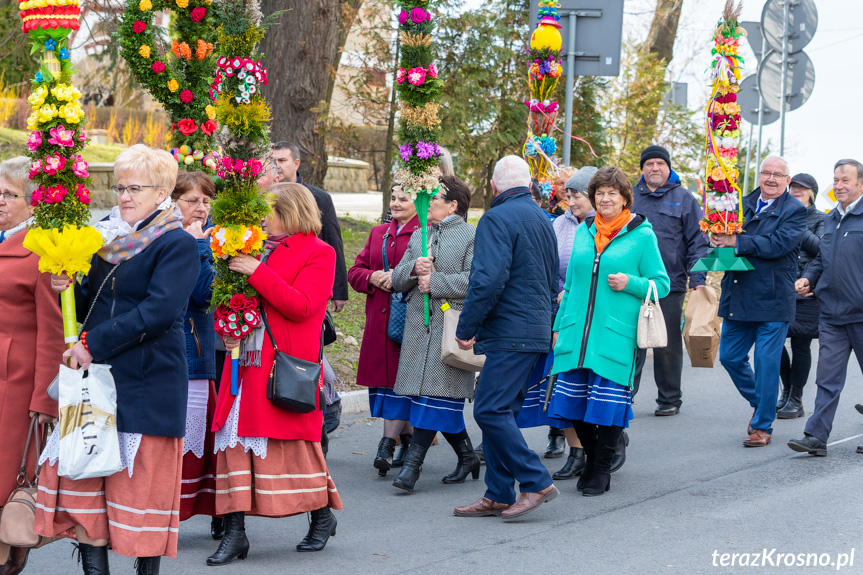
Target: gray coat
[(420, 369)]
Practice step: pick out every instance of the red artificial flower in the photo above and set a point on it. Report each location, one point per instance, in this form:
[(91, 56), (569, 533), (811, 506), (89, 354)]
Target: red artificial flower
[(238, 302), (138, 27), (187, 127), (158, 67), (209, 127), (83, 194), (186, 96), (197, 14)]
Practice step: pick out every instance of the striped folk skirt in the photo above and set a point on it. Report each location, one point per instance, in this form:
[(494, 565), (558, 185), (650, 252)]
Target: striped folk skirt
[(437, 413), (531, 414), (198, 489), (386, 403), (581, 395), (291, 479), (138, 515)]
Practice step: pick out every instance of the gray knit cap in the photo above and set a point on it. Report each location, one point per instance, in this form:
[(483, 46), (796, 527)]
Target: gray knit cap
[(579, 180)]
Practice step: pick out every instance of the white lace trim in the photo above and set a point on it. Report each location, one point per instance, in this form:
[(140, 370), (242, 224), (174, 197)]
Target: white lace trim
[(129, 444), (227, 436), (196, 417)]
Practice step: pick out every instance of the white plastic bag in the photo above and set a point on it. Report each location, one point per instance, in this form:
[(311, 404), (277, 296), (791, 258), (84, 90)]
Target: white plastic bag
[(89, 444)]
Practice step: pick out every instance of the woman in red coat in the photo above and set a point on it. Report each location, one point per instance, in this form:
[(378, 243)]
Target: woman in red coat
[(269, 460), (31, 339), (379, 355)]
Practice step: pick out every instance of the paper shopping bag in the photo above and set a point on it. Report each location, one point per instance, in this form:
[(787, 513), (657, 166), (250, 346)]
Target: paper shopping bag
[(702, 327)]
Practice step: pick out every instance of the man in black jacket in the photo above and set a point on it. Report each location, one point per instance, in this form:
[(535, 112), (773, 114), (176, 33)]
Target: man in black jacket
[(836, 276), (674, 215), (286, 155)]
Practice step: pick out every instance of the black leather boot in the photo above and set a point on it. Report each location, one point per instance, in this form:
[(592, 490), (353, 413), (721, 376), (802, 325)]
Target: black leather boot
[(587, 471), (322, 526), (556, 443), (607, 439), (147, 565), (468, 463), (587, 436), (404, 442), (573, 466), (410, 472), (217, 528), (783, 397), (793, 408), (235, 544), (384, 458), (94, 560), (620, 451)]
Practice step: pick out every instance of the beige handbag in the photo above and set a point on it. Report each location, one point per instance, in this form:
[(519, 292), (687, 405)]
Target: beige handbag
[(19, 513), (450, 353), (651, 323)]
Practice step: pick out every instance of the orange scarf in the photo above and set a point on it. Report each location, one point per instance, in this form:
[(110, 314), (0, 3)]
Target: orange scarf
[(605, 231)]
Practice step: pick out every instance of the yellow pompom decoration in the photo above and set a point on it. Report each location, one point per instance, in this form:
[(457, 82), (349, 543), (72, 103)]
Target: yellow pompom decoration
[(173, 85), (145, 5), (546, 37), (144, 51), (64, 251)]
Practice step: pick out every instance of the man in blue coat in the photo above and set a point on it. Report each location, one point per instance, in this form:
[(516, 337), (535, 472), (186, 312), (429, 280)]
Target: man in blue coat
[(507, 316), (674, 214), (837, 278), (758, 305)]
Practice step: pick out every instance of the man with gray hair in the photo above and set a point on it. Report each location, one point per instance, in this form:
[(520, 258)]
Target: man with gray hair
[(758, 305), (836, 277), (507, 316)]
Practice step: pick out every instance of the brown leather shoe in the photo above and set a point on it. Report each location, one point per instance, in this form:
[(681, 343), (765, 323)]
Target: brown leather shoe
[(527, 502), (749, 429), (757, 439), (16, 561), (482, 507)]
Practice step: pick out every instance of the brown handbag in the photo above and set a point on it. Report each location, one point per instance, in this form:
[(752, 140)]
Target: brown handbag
[(19, 513)]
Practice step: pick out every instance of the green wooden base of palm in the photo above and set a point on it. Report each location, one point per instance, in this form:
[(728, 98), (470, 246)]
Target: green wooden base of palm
[(421, 201)]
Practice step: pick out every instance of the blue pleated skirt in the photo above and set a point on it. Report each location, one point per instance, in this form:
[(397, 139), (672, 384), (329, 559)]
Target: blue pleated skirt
[(384, 402), (531, 414), (437, 413), (581, 395)]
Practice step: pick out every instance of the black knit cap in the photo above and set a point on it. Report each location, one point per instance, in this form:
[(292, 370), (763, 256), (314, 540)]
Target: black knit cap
[(651, 152)]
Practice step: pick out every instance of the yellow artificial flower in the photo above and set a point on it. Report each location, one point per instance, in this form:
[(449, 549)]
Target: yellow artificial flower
[(47, 113), (62, 92), (211, 112), (183, 3), (144, 51), (71, 112), (37, 97), (145, 5), (66, 250), (173, 85), (33, 121)]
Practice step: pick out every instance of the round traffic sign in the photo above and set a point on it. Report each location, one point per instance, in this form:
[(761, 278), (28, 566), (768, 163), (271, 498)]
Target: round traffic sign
[(801, 80), (747, 99), (802, 22)]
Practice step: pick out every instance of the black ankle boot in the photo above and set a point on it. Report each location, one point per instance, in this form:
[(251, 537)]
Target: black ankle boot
[(384, 458), (404, 442), (573, 466), (620, 452), (468, 463), (322, 526), (783, 397), (608, 437), (94, 560), (556, 443), (234, 544), (410, 472), (147, 565), (217, 528), (587, 470), (793, 408)]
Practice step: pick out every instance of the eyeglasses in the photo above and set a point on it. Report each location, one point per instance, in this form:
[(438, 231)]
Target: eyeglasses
[(196, 203), (10, 197), (609, 195), (440, 197), (772, 175), (132, 190)]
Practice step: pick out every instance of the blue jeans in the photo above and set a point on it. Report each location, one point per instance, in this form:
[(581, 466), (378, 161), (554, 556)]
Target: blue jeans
[(760, 388), (499, 396)]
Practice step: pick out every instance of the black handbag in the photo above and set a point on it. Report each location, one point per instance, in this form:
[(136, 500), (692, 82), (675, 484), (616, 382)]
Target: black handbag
[(293, 383), (330, 335), (398, 305)]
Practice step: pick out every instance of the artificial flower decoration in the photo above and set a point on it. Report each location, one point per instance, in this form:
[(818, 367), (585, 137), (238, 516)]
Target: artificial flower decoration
[(158, 67), (138, 27), (173, 85), (187, 127), (79, 167), (416, 76), (197, 14), (34, 140), (144, 51), (145, 5), (54, 164), (60, 136), (186, 96), (401, 75)]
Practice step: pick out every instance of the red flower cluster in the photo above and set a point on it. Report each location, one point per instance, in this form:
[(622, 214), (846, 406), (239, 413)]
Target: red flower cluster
[(186, 96), (187, 127), (158, 67), (197, 14), (724, 217), (209, 127), (138, 27), (720, 186), (52, 17), (238, 318), (248, 169)]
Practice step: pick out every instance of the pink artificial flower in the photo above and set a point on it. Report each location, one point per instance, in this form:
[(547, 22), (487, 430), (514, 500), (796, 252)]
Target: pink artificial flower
[(401, 75), (36, 196), (418, 15), (253, 167), (238, 165), (35, 169), (79, 167), (417, 76), (83, 194), (54, 164), (60, 136), (55, 194), (34, 141), (82, 137), (432, 71), (403, 17)]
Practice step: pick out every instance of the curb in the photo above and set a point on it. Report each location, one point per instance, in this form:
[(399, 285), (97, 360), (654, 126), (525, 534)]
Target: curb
[(355, 401)]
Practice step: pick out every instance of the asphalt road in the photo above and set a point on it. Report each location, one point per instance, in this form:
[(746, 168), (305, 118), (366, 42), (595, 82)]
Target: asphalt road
[(688, 494)]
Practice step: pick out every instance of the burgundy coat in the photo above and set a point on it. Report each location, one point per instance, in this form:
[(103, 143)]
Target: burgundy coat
[(379, 355), (31, 351)]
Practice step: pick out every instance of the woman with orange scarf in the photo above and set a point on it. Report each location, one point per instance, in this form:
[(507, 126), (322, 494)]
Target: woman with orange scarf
[(614, 258)]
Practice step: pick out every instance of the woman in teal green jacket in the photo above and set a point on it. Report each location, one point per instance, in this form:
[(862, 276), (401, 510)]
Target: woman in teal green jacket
[(614, 258)]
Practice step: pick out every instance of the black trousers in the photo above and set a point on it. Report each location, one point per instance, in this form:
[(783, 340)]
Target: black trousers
[(667, 361), (795, 371)]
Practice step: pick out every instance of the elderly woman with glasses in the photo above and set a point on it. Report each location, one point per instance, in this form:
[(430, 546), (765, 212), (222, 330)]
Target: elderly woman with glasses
[(31, 339), (132, 304)]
